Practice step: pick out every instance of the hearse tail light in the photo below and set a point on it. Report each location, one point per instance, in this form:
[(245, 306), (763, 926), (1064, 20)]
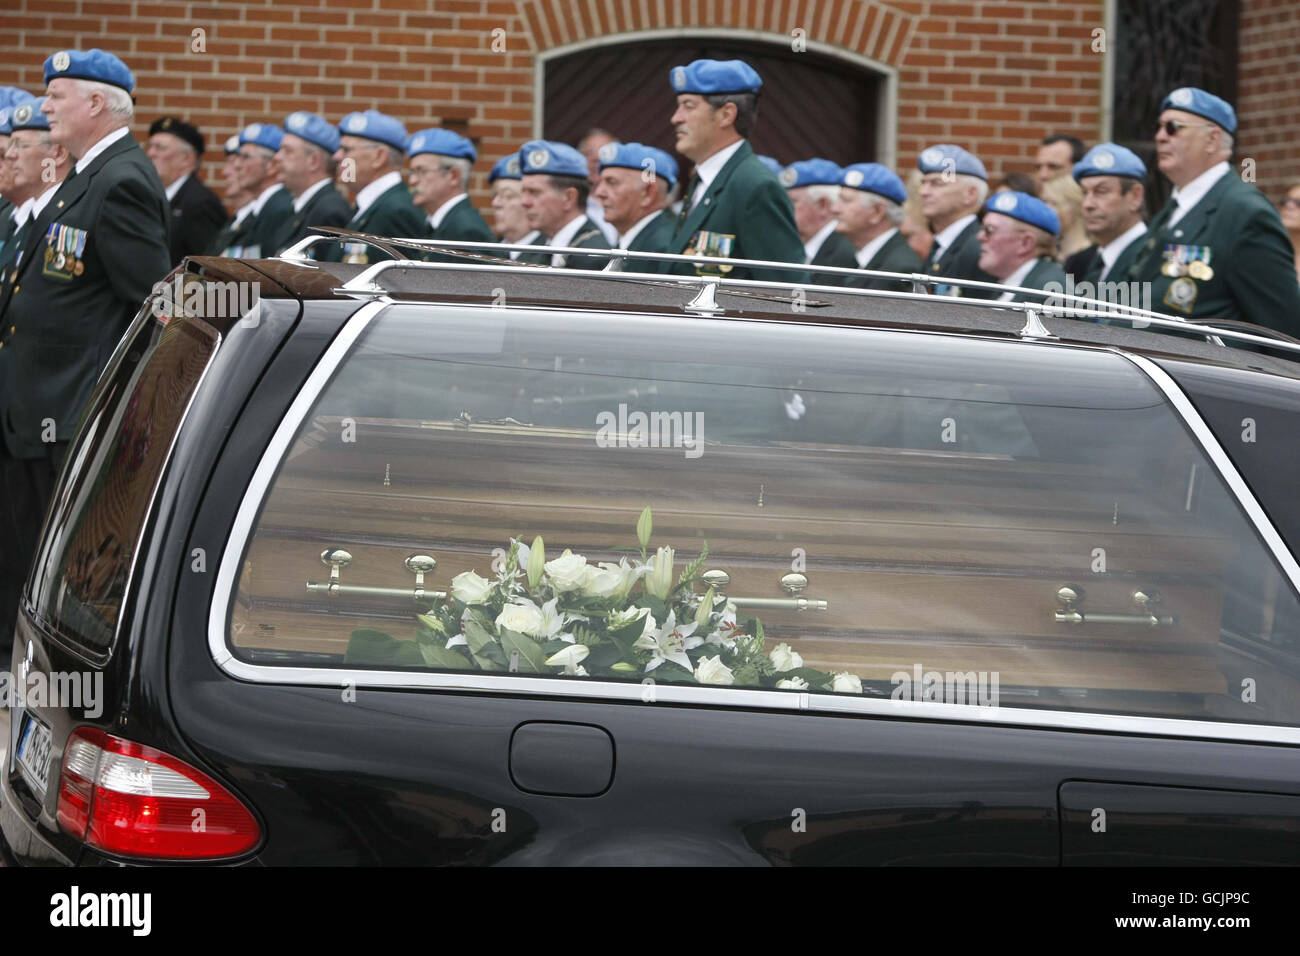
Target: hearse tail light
[(131, 800)]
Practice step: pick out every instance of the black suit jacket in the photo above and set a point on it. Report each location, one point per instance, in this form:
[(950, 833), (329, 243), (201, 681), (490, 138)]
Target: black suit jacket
[(588, 236), (197, 217), (66, 324), (961, 261), (326, 207), (894, 256), (838, 251)]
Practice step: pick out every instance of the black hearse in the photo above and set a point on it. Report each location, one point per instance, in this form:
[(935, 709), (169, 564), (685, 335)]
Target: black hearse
[(476, 562)]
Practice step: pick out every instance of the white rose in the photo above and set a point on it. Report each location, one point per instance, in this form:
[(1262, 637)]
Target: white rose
[(793, 683), (711, 670), (604, 582), (522, 619), (567, 572), (846, 683), (784, 659), (470, 588)]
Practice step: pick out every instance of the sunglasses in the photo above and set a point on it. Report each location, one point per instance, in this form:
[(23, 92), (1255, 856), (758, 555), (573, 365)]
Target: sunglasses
[(1289, 201), (1171, 127)]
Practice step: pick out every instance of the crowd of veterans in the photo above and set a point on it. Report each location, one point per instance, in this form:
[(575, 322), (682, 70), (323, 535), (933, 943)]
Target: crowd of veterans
[(89, 221)]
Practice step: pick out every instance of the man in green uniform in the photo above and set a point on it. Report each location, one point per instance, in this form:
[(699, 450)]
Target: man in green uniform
[(1018, 240), (440, 164), (87, 264), (305, 162), (1113, 196), (509, 222), (237, 198), (954, 185), (733, 206), (634, 186), (555, 188), (869, 211), (813, 186), (10, 96), (271, 205), (1218, 249), (370, 155)]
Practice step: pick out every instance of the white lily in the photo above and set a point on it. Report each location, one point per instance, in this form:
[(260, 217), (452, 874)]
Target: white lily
[(726, 630), (660, 579), (554, 622), (570, 658), (668, 643)]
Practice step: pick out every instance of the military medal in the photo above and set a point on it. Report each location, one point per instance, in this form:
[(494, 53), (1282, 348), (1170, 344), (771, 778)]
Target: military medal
[(1181, 294), (1172, 268), (1199, 270), (79, 267)]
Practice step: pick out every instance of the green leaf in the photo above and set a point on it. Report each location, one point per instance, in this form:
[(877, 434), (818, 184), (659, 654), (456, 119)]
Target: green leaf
[(443, 658), (624, 637), (602, 657), (481, 646), (376, 648), (531, 659), (692, 570)]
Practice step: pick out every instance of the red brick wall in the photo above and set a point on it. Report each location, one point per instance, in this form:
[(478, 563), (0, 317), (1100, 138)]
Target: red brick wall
[(1268, 106), (992, 76)]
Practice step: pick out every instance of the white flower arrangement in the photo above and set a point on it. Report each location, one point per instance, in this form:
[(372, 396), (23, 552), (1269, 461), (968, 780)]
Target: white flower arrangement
[(623, 621)]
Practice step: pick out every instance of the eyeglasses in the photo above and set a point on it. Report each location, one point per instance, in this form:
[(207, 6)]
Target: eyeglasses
[(1289, 201), (1171, 127)]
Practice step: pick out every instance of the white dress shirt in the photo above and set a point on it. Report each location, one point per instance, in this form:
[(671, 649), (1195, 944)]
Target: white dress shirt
[(949, 235), (868, 252), (1017, 277), (376, 189), (440, 213), (105, 141), (175, 187), (564, 237), (625, 240), (524, 241), (708, 170), (1111, 250), (1189, 195), (313, 189), (814, 245)]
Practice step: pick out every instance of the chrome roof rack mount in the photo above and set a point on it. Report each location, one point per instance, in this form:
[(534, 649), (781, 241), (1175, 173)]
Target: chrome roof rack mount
[(705, 288)]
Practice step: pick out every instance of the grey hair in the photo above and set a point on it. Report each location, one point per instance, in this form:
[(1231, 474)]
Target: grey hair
[(823, 191), (981, 186), (463, 164), (893, 211), (395, 156), (1226, 139), (117, 100)]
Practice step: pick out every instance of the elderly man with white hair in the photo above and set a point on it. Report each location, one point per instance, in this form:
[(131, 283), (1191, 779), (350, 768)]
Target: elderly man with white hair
[(954, 185), (90, 260), (813, 186), (869, 212)]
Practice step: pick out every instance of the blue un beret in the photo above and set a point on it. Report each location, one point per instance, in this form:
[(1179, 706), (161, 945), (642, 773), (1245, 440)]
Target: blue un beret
[(874, 178), (507, 167), (551, 159), (1110, 159), (771, 164), (441, 142), (10, 99), (262, 134), (640, 156), (29, 116), (1191, 100), (373, 124), (89, 65), (810, 172), (315, 130), (949, 158), (709, 77), (1027, 209)]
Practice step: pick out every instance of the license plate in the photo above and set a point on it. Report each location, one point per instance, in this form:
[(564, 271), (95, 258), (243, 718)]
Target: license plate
[(34, 754)]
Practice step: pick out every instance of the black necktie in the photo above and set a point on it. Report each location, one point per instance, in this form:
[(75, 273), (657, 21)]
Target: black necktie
[(1095, 266), (688, 198)]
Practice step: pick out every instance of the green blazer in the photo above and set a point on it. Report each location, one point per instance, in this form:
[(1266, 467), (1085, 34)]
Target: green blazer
[(657, 236), (1044, 272), (1250, 256), (7, 224), (391, 214), (269, 223), (588, 236), (746, 203), (894, 256), (961, 261), (67, 322), (232, 239), (836, 251), (463, 223), (327, 207)]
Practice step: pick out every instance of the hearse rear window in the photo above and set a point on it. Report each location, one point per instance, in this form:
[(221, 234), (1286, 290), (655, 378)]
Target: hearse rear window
[(124, 442), (792, 507)]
